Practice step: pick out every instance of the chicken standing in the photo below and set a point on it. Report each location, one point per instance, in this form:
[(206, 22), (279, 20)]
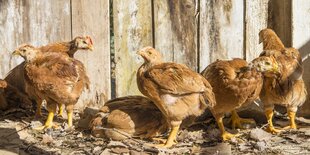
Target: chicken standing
[(235, 84), (68, 49), (54, 78), (133, 116), (288, 89), (175, 89)]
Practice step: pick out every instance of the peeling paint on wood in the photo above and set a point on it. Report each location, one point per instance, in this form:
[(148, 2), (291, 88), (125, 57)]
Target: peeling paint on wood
[(221, 30), (256, 17), (301, 41), (91, 17), (175, 29), (133, 31)]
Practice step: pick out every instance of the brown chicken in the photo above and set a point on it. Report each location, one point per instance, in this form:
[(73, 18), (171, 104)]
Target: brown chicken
[(235, 84), (3, 102), (134, 116), (54, 78), (175, 89), (288, 89), (68, 49)]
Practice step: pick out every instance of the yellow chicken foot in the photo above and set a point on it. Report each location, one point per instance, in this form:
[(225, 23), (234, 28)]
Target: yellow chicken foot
[(70, 114), (48, 123), (171, 139), (61, 110), (236, 121), (270, 128), (225, 135), (292, 125)]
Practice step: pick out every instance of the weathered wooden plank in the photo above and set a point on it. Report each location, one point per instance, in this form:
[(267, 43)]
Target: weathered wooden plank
[(279, 19), (301, 41), (132, 30), (256, 17), (91, 17), (34, 22), (175, 29), (221, 30)]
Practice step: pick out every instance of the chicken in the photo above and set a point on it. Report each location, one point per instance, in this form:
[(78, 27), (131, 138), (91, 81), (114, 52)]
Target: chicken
[(175, 89), (12, 97), (54, 78), (68, 49), (236, 83), (3, 102), (15, 98), (288, 89), (134, 116)]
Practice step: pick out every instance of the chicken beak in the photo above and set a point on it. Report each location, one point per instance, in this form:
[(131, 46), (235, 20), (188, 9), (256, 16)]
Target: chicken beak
[(90, 47), (275, 68), (140, 53), (260, 40), (16, 53)]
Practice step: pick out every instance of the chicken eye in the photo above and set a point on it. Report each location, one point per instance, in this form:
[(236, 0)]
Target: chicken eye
[(149, 52), (84, 42), (267, 63)]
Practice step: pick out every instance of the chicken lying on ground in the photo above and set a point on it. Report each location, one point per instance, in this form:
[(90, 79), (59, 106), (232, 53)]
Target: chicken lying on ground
[(235, 84), (133, 116), (175, 89), (288, 89), (67, 49), (54, 78), (3, 102)]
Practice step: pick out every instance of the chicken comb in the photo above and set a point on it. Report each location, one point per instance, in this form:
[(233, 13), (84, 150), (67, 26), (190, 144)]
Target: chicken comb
[(90, 40)]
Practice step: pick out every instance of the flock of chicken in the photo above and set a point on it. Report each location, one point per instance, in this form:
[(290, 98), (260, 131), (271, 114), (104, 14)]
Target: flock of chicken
[(174, 92)]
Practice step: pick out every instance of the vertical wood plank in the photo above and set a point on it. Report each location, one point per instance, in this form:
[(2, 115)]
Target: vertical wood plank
[(280, 19), (301, 41), (256, 17), (175, 29), (91, 17), (132, 30), (221, 30), (31, 21)]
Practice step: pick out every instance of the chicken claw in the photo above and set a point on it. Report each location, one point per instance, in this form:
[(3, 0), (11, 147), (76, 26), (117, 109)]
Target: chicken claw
[(236, 121)]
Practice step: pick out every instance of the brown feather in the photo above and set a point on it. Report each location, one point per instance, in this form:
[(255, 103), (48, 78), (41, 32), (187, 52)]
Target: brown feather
[(288, 89), (234, 84), (175, 89), (133, 115)]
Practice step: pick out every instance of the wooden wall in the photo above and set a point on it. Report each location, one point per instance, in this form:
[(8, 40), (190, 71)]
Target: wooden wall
[(193, 32), (40, 22)]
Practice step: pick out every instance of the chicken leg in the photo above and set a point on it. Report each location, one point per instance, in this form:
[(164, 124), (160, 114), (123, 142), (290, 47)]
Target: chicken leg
[(292, 116), (236, 121), (61, 110), (225, 135), (49, 121), (171, 138), (38, 109), (270, 128)]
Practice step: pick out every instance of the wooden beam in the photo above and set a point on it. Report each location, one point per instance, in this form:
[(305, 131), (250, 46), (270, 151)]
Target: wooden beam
[(91, 17), (221, 30), (256, 17), (301, 41), (132, 31), (175, 26)]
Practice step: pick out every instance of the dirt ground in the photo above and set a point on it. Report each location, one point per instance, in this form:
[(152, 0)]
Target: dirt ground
[(17, 136)]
